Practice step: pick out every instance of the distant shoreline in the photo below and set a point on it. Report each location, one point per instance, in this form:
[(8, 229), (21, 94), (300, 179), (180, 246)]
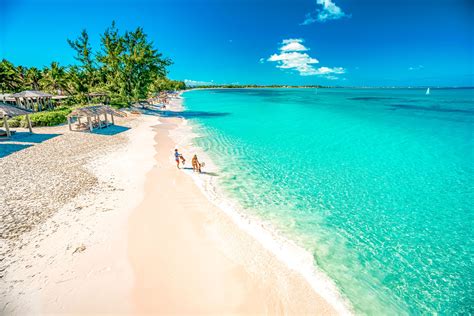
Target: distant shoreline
[(323, 87)]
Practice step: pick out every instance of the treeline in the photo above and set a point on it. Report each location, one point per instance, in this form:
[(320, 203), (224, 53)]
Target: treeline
[(242, 86), (126, 66)]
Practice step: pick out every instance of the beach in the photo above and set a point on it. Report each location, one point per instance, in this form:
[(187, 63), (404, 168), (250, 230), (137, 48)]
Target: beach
[(120, 229), (367, 186), (287, 158)]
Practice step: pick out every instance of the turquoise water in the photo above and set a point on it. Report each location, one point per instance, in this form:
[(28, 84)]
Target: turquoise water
[(376, 184)]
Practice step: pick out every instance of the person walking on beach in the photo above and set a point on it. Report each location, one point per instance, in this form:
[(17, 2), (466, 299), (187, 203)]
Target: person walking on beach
[(178, 157), (196, 164)]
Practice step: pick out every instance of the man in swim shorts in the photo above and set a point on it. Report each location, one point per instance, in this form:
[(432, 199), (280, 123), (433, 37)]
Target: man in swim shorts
[(178, 157)]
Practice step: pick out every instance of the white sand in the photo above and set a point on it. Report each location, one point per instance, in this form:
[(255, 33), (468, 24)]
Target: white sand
[(47, 275), (145, 239)]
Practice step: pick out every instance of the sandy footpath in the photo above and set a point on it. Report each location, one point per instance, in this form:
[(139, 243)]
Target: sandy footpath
[(144, 239)]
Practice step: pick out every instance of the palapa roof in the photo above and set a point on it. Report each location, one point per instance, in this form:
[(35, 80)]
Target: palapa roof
[(6, 97), (11, 111), (31, 94), (95, 110), (60, 97)]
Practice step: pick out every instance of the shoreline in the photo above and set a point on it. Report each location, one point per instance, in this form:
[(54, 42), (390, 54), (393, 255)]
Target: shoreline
[(148, 238), (189, 257), (288, 252), (349, 88)]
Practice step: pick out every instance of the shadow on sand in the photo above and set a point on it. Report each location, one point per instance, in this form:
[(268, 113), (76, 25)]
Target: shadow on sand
[(111, 130), (212, 174), (22, 140), (8, 149), (25, 137)]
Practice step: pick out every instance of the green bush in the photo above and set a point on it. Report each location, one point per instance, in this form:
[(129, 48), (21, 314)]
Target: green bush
[(15, 122), (118, 102), (49, 118), (46, 118), (73, 100), (119, 106), (64, 108)]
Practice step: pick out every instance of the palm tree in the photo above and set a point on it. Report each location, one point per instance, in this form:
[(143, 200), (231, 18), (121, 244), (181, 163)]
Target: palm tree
[(55, 79), (77, 82), (33, 77), (10, 80), (21, 73)]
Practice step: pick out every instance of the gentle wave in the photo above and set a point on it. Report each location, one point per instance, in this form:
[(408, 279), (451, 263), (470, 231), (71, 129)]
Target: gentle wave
[(288, 252), (377, 199)]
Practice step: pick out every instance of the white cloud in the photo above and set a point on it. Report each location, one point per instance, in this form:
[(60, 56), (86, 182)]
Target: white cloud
[(196, 83), (294, 46), (291, 57), (329, 11), (292, 40), (309, 19), (419, 67), (294, 60), (262, 60), (327, 70)]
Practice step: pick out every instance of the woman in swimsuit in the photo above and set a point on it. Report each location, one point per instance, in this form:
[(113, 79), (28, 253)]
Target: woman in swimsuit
[(196, 164)]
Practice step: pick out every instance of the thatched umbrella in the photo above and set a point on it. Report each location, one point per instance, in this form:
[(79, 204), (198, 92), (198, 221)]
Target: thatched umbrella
[(59, 97), (27, 99), (95, 112), (8, 111), (6, 97)]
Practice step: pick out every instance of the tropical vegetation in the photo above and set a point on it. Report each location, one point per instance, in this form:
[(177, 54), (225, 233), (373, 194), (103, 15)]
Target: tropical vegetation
[(126, 66)]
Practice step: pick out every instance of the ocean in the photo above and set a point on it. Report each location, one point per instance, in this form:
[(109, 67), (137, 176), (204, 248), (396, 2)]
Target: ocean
[(376, 184)]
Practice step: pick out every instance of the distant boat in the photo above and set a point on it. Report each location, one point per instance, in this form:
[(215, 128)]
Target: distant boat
[(428, 91)]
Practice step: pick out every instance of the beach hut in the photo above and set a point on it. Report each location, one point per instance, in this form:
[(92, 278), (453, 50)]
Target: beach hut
[(7, 98), (33, 100), (7, 112), (92, 115)]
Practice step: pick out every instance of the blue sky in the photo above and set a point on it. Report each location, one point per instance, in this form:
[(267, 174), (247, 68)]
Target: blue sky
[(329, 42)]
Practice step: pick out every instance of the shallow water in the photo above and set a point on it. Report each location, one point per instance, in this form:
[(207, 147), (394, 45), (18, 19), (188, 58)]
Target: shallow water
[(376, 184)]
